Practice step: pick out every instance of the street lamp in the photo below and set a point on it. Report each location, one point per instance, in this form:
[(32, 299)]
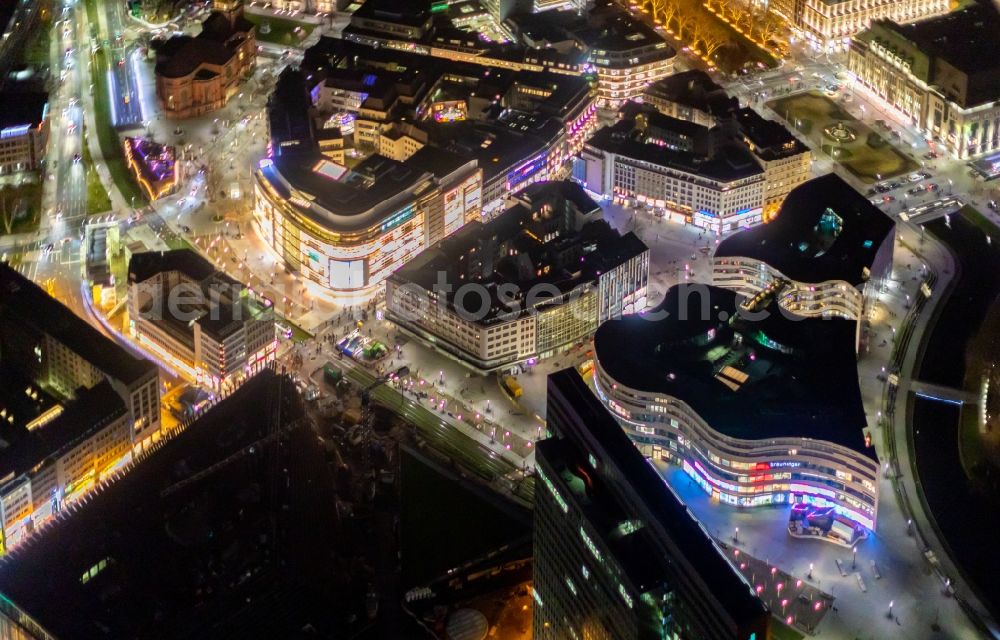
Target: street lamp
[(891, 602), (810, 576)]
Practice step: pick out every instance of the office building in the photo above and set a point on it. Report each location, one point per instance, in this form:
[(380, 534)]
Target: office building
[(537, 278), (198, 74), (23, 131), (166, 549), (627, 54), (829, 24), (940, 73), (828, 251), (73, 406), (633, 161), (786, 161), (210, 328), (617, 555), (757, 405), (398, 20)]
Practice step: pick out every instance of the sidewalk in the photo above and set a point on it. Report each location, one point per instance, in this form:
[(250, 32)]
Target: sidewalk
[(901, 512)]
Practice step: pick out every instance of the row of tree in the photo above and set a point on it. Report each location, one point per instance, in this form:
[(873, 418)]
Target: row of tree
[(694, 24)]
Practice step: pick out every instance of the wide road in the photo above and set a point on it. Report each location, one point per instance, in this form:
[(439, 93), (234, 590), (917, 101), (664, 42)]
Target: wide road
[(123, 84), (66, 145)]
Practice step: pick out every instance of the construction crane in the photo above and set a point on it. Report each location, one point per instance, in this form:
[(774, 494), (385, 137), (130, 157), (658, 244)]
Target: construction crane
[(367, 419)]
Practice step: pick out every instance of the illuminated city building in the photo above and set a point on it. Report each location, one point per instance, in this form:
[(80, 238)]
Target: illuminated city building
[(757, 405), (348, 229), (535, 279), (23, 131), (324, 7), (939, 73), (829, 24), (617, 555), (640, 160), (829, 253), (73, 406), (208, 327), (197, 75), (153, 165), (628, 55), (520, 126), (786, 161)]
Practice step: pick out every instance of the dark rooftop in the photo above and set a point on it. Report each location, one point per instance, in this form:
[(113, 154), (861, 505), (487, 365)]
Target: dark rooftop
[(375, 187), (689, 548), (801, 374), (770, 139), (22, 107), (729, 163), (825, 230), (90, 410), (222, 310), (694, 89), (26, 303), (216, 45), (143, 266), (413, 13), (967, 40), (582, 247), (146, 557)]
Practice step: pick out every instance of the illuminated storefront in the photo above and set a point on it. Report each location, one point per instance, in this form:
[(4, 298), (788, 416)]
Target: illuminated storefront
[(350, 238)]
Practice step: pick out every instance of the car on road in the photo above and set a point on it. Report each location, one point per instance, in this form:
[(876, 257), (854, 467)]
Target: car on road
[(932, 187), (888, 199), (915, 190), (993, 205)]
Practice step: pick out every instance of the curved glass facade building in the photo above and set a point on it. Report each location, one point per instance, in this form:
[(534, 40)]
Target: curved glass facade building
[(829, 249), (758, 405)]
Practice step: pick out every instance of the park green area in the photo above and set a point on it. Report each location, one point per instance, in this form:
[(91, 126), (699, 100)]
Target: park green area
[(444, 524), (863, 151), (280, 30), (20, 207), (107, 137)]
